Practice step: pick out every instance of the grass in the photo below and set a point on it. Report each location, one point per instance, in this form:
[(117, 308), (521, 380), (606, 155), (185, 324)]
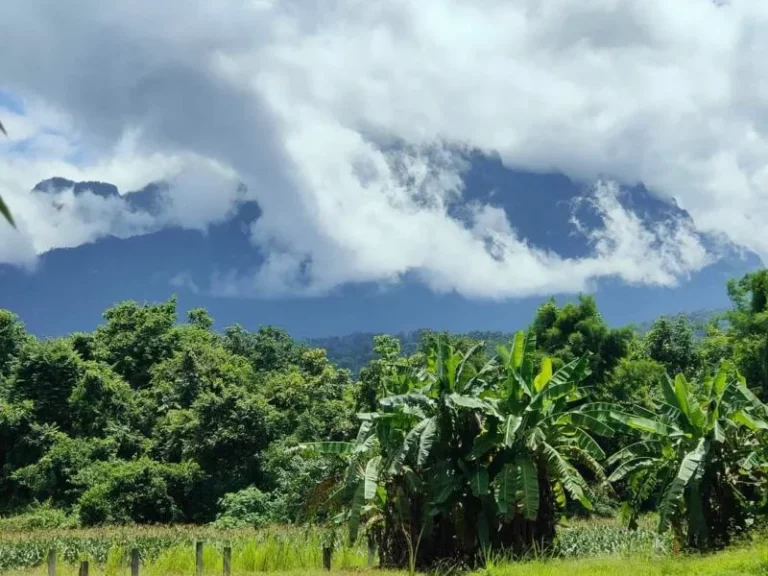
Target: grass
[(746, 560), (586, 548), (170, 550)]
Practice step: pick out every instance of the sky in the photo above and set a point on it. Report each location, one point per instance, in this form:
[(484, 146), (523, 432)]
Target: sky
[(350, 122)]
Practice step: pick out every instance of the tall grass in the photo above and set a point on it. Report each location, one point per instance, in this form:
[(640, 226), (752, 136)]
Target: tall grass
[(170, 550), (748, 559)]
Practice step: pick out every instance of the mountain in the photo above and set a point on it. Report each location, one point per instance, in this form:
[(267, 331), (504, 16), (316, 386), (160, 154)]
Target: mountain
[(70, 288)]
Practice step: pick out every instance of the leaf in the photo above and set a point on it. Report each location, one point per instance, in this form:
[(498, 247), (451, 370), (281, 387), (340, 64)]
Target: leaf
[(446, 485), (479, 481), (721, 380), (646, 448), (362, 433), (668, 391), (354, 511), (465, 363), (426, 440), (526, 368), (681, 395), (371, 477), (2, 129), (718, 432), (404, 449), (746, 419), (552, 392), (587, 421), (568, 475), (518, 350), (752, 460), (529, 487), (588, 444), (482, 445), (511, 425), (507, 485), (365, 445), (467, 402), (688, 467), (630, 466), (544, 375), (750, 397), (505, 355), (642, 424), (575, 371), (400, 399)]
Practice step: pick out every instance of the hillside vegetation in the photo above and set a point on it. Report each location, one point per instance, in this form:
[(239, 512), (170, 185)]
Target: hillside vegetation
[(452, 451)]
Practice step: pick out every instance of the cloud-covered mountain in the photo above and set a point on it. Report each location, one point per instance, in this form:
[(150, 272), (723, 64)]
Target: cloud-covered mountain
[(418, 163), (562, 220)]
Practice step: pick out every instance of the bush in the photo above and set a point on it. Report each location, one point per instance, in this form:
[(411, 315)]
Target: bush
[(136, 491), (247, 507), (38, 517)]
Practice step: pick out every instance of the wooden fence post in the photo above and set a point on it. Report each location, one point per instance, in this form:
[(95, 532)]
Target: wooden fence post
[(199, 558), (327, 552), (84, 568), (135, 562), (52, 562), (227, 560)]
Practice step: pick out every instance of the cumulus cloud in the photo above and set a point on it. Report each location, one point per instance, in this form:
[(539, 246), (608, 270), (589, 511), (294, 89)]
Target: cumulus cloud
[(346, 120)]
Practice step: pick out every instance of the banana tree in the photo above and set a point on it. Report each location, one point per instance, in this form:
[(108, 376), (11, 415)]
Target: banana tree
[(465, 456), (702, 453)]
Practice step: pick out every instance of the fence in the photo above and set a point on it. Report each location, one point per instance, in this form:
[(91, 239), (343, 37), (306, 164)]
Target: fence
[(226, 557)]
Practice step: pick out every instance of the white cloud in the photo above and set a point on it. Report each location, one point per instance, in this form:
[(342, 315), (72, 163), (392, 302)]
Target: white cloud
[(341, 118)]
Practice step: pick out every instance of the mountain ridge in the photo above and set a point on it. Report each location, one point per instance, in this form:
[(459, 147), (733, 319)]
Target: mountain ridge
[(72, 286)]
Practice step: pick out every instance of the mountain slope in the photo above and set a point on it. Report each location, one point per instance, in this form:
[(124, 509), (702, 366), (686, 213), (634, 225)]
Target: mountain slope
[(70, 288)]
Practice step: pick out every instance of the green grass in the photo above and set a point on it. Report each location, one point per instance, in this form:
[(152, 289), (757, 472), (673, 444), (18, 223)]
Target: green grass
[(745, 560), (591, 548), (170, 550)]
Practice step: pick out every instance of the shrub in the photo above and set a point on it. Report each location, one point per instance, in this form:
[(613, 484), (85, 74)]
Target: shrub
[(244, 508)]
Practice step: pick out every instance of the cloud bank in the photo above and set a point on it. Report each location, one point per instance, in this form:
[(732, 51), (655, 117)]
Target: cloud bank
[(347, 121)]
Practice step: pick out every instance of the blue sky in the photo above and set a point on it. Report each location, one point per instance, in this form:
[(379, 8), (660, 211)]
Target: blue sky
[(354, 127)]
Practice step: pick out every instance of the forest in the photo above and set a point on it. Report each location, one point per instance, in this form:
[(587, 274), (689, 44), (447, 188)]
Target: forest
[(445, 451)]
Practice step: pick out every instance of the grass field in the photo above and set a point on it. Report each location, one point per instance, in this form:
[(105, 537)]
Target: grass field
[(585, 548), (745, 560)]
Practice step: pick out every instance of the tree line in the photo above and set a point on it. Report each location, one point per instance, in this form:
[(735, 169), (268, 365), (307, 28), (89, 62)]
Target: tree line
[(149, 420)]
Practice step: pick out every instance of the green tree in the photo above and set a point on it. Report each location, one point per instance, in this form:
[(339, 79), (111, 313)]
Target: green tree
[(13, 337), (373, 374), (748, 330), (47, 373), (269, 349), (54, 475), (671, 343), (135, 337), (575, 329), (99, 401), (200, 318)]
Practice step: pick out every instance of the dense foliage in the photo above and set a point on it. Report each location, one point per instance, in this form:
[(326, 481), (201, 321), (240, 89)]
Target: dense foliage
[(145, 420), (441, 446)]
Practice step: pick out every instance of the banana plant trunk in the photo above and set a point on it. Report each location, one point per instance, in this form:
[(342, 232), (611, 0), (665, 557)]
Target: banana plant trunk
[(451, 538)]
